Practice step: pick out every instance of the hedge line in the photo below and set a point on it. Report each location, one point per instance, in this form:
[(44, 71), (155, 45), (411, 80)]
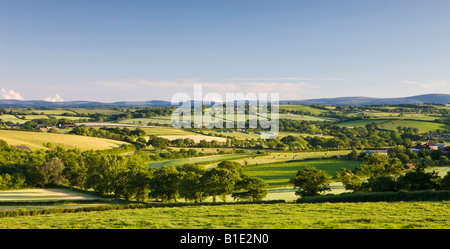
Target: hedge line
[(426, 195), (25, 212)]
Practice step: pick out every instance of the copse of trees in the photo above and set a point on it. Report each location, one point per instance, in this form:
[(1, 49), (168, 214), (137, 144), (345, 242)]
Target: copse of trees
[(387, 173)]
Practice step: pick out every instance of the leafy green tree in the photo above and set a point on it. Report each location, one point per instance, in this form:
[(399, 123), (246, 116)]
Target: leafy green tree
[(419, 180), (191, 187), (382, 184), (446, 181), (311, 181), (250, 188), (164, 183), (341, 173), (53, 172), (436, 154), (354, 154), (219, 182), (354, 183)]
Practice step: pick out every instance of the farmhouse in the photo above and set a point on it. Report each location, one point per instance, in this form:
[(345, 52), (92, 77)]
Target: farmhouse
[(428, 146), (410, 166)]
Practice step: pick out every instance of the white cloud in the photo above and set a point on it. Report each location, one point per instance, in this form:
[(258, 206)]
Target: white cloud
[(57, 98), (426, 85), (11, 94)]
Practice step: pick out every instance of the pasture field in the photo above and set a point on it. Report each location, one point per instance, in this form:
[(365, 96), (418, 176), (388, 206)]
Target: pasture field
[(252, 135), (281, 157), (361, 123), (54, 112), (421, 125), (200, 160), (11, 118), (31, 117), (144, 121), (94, 111), (303, 117), (303, 108), (37, 140), (375, 215), (279, 174), (392, 124)]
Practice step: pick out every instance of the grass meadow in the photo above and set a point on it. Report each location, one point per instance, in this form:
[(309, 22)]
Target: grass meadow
[(392, 124), (376, 215), (279, 174)]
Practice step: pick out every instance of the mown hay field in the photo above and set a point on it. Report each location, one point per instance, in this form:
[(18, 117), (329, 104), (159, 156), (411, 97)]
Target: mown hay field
[(37, 140)]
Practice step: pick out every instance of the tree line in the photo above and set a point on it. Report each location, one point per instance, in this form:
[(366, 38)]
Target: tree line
[(126, 177), (377, 173)]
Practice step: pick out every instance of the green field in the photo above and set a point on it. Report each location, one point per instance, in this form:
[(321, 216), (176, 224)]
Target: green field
[(279, 174), (281, 157), (303, 117), (387, 124), (379, 215), (303, 108), (421, 125), (11, 118), (192, 160), (37, 140)]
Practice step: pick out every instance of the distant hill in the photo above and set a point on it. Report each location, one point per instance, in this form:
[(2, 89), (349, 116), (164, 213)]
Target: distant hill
[(79, 104), (419, 99)]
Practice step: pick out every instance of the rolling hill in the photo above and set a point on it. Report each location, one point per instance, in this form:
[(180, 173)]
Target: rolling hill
[(419, 99)]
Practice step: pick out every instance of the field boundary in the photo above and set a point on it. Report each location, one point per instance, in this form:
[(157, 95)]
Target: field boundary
[(425, 195), (111, 207)]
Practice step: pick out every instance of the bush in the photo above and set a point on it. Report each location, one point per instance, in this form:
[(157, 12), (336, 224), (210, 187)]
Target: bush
[(427, 195)]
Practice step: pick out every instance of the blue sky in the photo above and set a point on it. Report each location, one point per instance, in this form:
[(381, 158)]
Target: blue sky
[(146, 50)]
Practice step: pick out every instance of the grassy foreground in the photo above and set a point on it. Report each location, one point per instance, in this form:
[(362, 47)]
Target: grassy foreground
[(380, 215)]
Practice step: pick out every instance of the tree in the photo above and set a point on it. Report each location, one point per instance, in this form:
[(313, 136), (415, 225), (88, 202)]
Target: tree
[(382, 184), (446, 181), (354, 183), (219, 182), (419, 180), (436, 154), (311, 181), (191, 188), (53, 172), (354, 154), (250, 188), (164, 183)]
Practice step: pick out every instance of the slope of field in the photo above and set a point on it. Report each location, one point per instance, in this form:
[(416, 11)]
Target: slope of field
[(375, 215), (202, 159), (282, 157), (11, 118), (37, 140), (51, 194), (303, 108), (279, 174), (388, 124), (421, 125)]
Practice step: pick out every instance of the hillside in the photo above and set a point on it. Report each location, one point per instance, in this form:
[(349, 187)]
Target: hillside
[(419, 99), (38, 140)]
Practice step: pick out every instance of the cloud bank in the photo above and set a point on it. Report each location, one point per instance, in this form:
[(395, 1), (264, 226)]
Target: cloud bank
[(11, 94)]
